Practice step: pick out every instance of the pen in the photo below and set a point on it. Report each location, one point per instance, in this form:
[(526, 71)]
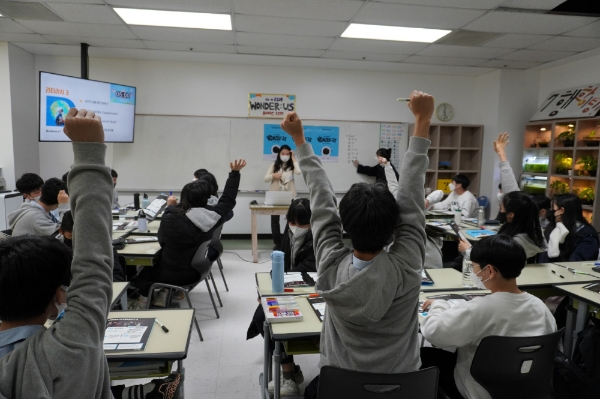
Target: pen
[(403, 99), (295, 290), (170, 193), (557, 274), (165, 329), (307, 296)]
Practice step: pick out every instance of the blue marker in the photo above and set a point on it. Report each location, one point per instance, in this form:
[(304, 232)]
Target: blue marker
[(170, 192)]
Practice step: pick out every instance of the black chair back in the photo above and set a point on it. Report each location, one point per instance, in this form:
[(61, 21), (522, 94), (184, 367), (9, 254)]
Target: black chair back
[(348, 384), (216, 243), (516, 367), (200, 261)]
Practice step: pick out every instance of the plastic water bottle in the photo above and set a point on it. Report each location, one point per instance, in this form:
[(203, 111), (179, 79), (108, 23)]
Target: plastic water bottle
[(145, 201), (480, 217), (142, 222), (467, 269), (457, 216), (277, 272)]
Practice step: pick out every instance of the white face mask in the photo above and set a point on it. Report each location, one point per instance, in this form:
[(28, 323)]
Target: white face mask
[(451, 187), (285, 158), (60, 307), (500, 196), (299, 231), (477, 281)]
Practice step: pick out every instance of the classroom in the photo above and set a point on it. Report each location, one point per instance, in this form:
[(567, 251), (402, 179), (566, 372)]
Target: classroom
[(235, 133)]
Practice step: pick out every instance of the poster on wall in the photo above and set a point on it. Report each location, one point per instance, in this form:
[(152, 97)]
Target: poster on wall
[(270, 105), (577, 102), (325, 141), (393, 135)]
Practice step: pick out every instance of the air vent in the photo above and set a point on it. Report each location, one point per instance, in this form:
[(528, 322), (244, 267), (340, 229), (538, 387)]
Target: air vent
[(467, 38), (33, 11)]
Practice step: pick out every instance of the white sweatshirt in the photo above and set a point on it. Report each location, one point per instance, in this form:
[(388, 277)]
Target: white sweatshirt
[(466, 202), (466, 324)]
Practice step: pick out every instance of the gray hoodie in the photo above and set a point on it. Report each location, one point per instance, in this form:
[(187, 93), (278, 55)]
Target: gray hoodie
[(370, 323), (67, 360), (31, 218)]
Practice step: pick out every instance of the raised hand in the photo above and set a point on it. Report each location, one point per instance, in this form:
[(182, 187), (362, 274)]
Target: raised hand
[(292, 125), (63, 197), (355, 162), (83, 126), (500, 145), (421, 105), (171, 201), (237, 165)]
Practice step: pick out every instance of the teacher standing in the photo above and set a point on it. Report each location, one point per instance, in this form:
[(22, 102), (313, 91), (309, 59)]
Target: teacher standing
[(383, 156), (281, 176)]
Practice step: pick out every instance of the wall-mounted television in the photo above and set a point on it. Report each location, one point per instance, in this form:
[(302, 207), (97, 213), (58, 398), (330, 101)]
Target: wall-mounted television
[(114, 103)]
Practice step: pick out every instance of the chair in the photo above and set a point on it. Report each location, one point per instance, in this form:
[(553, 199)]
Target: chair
[(217, 245), (203, 265), (522, 366), (348, 384), (485, 203)]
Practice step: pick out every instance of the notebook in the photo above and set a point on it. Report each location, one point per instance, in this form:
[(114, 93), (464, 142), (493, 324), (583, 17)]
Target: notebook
[(594, 287), (318, 305), (426, 278)]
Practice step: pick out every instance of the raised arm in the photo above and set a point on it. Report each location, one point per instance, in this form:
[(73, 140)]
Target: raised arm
[(367, 170), (227, 200), (325, 220), (507, 176)]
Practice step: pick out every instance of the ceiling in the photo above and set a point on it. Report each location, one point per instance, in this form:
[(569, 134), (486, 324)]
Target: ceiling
[(487, 34)]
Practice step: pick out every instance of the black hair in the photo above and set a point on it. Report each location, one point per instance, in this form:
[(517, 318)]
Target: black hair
[(210, 178), (195, 195), (369, 214), (279, 165), (29, 182), (199, 172), (66, 223), (500, 186), (31, 269), (385, 153), (299, 212), (114, 173), (50, 190), (573, 213), (65, 177), (541, 201), (526, 217), (502, 252), (463, 180)]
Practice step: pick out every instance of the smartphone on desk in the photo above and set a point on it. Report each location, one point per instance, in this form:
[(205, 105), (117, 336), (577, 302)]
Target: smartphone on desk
[(458, 232)]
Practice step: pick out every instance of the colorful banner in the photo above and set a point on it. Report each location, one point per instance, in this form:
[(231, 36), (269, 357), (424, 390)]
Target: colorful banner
[(270, 105), (325, 141), (577, 102)]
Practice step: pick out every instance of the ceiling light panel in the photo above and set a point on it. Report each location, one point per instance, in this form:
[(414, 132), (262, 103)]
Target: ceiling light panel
[(394, 33), (175, 19)]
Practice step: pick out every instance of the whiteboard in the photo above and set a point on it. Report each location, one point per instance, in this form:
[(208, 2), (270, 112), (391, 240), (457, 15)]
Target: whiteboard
[(168, 149)]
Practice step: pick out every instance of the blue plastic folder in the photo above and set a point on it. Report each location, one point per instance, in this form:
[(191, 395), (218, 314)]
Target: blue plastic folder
[(480, 233)]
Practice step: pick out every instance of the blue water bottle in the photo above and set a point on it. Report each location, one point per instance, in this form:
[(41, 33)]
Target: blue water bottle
[(277, 272)]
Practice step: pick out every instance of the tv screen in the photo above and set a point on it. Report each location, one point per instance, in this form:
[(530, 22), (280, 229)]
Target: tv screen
[(114, 103)]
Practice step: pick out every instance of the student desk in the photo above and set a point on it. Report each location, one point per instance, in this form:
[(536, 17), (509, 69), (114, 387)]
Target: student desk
[(142, 254), (585, 267), (262, 210), (263, 286), (120, 233), (445, 280), (423, 296), (119, 292)]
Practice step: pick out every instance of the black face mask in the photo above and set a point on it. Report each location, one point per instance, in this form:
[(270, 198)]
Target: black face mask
[(550, 216), (501, 217), (68, 243)]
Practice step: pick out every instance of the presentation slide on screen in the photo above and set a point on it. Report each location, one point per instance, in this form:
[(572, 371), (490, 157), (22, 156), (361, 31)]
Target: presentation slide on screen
[(115, 104)]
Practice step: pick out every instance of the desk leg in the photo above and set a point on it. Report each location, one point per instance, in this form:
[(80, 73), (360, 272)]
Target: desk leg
[(277, 371), (181, 370), (254, 236), (124, 300), (570, 331), (264, 394)]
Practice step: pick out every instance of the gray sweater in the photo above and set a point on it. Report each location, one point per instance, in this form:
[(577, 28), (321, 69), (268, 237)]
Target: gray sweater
[(32, 219), (370, 323), (67, 360)]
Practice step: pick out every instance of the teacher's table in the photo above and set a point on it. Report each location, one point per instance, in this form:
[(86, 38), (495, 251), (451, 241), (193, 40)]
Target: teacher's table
[(262, 210), (140, 254)]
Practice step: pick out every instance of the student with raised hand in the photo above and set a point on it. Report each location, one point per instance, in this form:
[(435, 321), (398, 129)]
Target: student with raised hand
[(507, 311), (30, 185), (362, 331)]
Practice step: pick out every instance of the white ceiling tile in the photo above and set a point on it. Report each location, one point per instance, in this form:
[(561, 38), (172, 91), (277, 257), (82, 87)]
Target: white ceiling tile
[(565, 43), (377, 46), (197, 47), (473, 4), (96, 42), (418, 59), (291, 52), (416, 16), (349, 55), (440, 50), (23, 38), (66, 1), (211, 6), (8, 25), (79, 29), (263, 39), (50, 49), (288, 26), (515, 40), (523, 22), (536, 55), (86, 13), (589, 30), (509, 64), (183, 35), (333, 10), (532, 4)]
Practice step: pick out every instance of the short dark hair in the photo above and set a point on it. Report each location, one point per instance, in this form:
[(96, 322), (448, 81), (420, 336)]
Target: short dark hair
[(29, 182), (114, 173), (65, 177), (299, 212), (541, 201), (369, 214), (463, 180), (210, 178), (500, 186), (66, 223), (502, 252), (199, 172), (195, 195), (50, 190), (385, 153), (31, 269)]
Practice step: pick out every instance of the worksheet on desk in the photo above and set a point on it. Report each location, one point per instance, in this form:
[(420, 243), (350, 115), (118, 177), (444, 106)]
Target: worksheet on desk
[(127, 334)]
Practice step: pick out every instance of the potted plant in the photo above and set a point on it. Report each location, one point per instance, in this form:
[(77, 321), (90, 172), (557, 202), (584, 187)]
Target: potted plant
[(559, 187), (589, 164), (563, 164), (567, 138), (587, 196), (591, 140), (543, 143)]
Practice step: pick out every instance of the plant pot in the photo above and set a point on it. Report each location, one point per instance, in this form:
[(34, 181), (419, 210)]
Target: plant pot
[(586, 202), (592, 173), (543, 144), (568, 142), (561, 171), (592, 142)]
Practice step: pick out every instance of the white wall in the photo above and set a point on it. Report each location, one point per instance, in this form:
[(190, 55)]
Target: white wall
[(576, 73), (7, 157)]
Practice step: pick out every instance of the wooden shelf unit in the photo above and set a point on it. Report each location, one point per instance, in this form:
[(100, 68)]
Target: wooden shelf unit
[(574, 177), (458, 144)]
